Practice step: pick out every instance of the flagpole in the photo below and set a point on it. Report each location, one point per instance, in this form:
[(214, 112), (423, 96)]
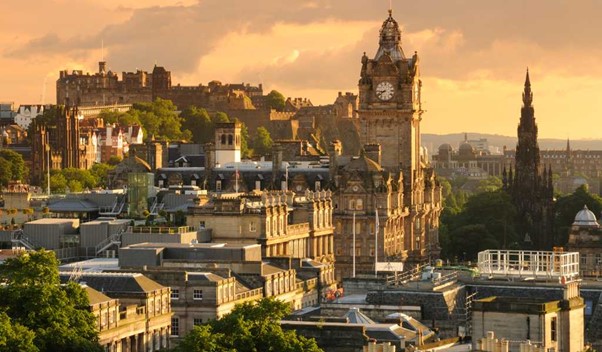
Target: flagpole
[(376, 226), (353, 243)]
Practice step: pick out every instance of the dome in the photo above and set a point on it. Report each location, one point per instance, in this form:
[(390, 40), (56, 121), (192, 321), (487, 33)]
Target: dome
[(466, 149), (585, 217), (390, 39), (445, 146)]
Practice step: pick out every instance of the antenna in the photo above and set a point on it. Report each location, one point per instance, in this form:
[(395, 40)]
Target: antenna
[(102, 50)]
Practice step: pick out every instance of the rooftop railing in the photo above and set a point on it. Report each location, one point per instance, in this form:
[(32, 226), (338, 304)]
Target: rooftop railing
[(529, 264)]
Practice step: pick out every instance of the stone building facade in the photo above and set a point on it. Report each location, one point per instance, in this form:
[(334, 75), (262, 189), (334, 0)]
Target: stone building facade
[(585, 237), (61, 144), (132, 312)]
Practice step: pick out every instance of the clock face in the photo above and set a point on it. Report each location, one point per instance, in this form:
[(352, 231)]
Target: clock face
[(385, 91)]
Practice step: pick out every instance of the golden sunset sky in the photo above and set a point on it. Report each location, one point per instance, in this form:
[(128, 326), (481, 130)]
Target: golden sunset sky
[(474, 53)]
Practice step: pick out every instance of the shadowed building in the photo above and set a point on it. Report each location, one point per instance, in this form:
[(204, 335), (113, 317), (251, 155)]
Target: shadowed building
[(531, 185)]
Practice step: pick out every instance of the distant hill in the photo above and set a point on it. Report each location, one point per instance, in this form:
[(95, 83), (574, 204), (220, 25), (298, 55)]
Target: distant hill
[(433, 141)]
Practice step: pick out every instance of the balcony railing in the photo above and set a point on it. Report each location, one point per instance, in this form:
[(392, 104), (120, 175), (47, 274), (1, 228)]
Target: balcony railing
[(160, 230)]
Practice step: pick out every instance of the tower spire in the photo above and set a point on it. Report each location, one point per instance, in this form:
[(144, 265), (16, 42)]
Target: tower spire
[(527, 94)]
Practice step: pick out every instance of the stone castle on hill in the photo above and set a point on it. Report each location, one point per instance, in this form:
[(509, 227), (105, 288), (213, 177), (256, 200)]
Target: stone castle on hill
[(299, 119)]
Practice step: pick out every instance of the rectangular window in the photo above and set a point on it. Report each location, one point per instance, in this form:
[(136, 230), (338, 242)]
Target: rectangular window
[(252, 226), (197, 321), (175, 294), (197, 295), (218, 185), (258, 185), (175, 326), (359, 204), (202, 224), (553, 329)]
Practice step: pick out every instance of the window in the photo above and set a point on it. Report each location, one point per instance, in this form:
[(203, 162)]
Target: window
[(197, 321), (258, 185), (318, 186), (359, 204), (553, 329), (202, 224), (218, 185), (252, 226), (175, 294), (197, 295), (175, 326)]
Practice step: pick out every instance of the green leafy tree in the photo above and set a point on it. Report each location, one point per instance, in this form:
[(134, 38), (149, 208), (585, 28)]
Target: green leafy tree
[(14, 336), (15, 159), (84, 177), (160, 119), (33, 297), (6, 172), (262, 143), (568, 206), (220, 117), (100, 172), (491, 215), (198, 122), (249, 328), (114, 160), (275, 100), (490, 184), (58, 182)]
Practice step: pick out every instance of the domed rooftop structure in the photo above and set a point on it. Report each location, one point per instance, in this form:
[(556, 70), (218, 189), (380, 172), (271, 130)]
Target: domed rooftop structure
[(390, 40), (446, 146), (466, 149), (585, 218)]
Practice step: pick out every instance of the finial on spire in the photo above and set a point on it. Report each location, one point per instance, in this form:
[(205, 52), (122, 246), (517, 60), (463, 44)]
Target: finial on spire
[(527, 80), (390, 8)]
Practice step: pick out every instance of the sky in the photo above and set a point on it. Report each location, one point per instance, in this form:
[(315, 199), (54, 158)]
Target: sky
[(474, 53)]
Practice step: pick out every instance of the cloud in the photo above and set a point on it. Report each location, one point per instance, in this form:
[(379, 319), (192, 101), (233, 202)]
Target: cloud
[(314, 46)]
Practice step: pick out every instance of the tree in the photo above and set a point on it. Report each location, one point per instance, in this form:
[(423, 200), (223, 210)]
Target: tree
[(114, 160), (262, 143), (275, 100), (488, 218), (6, 172), (34, 298), (198, 122), (14, 336), (220, 117), (249, 327), (490, 184), (160, 119), (100, 171), (18, 169)]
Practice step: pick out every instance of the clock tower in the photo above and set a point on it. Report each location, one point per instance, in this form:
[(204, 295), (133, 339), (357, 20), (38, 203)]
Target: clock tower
[(390, 112), (390, 109)]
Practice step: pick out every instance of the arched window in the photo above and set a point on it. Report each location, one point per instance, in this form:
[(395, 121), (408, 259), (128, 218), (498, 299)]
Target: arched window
[(230, 139), (223, 139)]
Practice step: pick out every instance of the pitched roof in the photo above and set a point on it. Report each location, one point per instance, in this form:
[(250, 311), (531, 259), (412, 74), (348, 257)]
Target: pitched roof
[(117, 283)]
